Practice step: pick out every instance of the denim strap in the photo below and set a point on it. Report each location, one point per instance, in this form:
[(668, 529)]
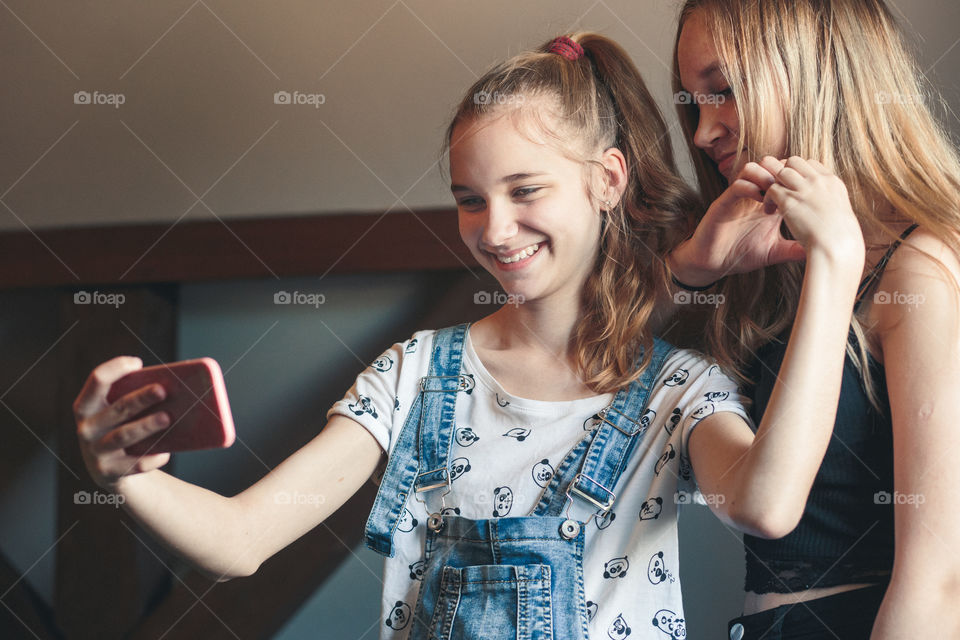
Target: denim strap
[(428, 429)]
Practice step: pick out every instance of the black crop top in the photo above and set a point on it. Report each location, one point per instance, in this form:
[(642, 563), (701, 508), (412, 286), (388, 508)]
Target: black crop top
[(846, 533)]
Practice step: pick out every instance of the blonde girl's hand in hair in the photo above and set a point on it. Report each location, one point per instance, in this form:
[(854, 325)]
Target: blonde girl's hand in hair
[(736, 235), (814, 204)]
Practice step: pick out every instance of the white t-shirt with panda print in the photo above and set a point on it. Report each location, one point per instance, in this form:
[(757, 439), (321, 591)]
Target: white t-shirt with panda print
[(503, 456)]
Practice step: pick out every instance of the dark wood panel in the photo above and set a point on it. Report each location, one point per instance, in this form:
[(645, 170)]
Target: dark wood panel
[(251, 248)]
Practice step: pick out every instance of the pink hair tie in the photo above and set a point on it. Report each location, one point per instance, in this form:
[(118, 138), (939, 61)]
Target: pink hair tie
[(565, 47)]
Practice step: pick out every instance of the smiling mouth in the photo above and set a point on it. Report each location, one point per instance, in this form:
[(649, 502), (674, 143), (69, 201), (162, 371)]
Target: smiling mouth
[(520, 255)]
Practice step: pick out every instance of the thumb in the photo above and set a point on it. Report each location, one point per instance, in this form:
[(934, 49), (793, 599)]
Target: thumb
[(787, 251)]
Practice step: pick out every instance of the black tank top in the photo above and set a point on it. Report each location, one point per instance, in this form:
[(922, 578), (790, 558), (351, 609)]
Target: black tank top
[(846, 533)]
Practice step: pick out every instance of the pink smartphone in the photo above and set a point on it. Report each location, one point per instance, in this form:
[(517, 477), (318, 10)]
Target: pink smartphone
[(196, 403)]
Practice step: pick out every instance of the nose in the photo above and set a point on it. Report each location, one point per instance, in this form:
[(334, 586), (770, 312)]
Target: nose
[(709, 127), (500, 225)]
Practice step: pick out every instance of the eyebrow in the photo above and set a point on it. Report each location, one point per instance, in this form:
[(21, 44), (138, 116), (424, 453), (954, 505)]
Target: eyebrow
[(709, 71), (513, 177)]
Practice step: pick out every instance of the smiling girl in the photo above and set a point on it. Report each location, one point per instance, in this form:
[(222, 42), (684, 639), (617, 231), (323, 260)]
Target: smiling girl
[(534, 460)]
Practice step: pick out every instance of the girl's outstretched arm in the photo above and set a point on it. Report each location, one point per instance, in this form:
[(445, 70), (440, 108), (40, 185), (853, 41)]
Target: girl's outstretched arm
[(920, 342), (760, 482), (220, 536)]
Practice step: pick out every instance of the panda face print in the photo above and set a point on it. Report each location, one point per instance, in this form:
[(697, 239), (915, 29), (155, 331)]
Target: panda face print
[(656, 571), (542, 472), (677, 378), (668, 622), (616, 568), (650, 509), (668, 454), (466, 437), (647, 418), (618, 629), (502, 501), (416, 570), (702, 411), (399, 616), (363, 405), (520, 433), (673, 421), (411, 346), (717, 396), (592, 422), (396, 403), (407, 521), (591, 610), (605, 521), (450, 511), (685, 468), (714, 370), (502, 402), (466, 384), (458, 467), (383, 364)]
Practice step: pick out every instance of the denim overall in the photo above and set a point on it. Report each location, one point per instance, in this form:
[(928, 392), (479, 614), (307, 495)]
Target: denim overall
[(517, 578)]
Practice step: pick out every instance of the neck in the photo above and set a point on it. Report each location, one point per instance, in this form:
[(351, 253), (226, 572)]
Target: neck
[(543, 326)]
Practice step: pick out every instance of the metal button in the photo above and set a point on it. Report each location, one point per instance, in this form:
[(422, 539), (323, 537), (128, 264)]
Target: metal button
[(736, 632), (434, 522), (569, 529)]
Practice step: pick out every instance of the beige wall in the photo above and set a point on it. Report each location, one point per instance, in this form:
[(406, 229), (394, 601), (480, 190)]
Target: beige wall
[(198, 80)]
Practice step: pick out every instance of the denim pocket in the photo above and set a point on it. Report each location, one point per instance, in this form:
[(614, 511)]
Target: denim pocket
[(494, 602)]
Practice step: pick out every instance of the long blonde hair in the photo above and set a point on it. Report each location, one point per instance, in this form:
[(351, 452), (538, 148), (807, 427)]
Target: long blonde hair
[(853, 99), (602, 102)]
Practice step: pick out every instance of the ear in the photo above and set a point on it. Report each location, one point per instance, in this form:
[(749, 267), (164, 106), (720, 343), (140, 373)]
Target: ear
[(614, 174)]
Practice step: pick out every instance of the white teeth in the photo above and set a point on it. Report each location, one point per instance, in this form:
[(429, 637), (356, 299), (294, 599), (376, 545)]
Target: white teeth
[(526, 253)]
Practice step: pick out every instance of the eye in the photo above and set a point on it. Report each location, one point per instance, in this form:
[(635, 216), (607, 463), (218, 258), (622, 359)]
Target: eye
[(523, 192), (470, 202)]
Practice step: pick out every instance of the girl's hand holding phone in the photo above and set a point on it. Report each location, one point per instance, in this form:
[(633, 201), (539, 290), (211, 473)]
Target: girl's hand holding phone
[(124, 411)]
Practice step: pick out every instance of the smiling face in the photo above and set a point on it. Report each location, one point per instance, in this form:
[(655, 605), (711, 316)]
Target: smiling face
[(719, 126), (525, 211)]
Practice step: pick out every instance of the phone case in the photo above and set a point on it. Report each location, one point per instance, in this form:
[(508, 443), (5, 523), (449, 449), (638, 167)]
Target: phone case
[(196, 403)]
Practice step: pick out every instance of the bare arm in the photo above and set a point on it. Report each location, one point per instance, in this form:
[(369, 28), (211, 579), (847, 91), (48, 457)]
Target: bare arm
[(920, 341), (765, 479), (223, 537)]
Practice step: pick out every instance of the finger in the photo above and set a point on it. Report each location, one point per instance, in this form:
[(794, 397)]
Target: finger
[(791, 178), (93, 396), (125, 467), (121, 410), (802, 167), (131, 433), (741, 188), (775, 198), (773, 165), (758, 175)]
